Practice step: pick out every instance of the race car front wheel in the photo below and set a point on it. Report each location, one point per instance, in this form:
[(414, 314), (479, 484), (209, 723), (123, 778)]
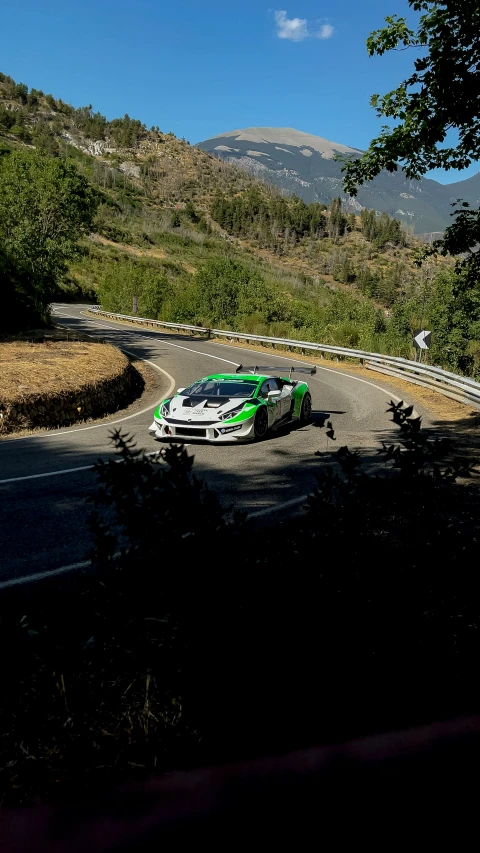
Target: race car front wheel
[(306, 411), (261, 422)]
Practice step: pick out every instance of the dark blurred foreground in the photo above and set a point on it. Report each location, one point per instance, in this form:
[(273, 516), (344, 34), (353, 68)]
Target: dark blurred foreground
[(412, 785), (196, 640)]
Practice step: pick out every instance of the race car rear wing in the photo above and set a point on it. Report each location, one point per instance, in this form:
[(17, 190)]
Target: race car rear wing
[(273, 371), (310, 370)]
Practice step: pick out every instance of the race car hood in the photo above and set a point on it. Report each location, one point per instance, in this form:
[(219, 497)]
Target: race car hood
[(202, 408)]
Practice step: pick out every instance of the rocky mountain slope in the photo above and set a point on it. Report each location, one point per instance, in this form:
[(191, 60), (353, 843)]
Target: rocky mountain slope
[(306, 165)]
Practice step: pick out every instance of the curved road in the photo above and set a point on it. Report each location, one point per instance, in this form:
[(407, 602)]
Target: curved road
[(46, 478)]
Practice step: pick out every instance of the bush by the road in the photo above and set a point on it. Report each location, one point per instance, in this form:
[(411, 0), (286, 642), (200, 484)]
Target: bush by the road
[(196, 637)]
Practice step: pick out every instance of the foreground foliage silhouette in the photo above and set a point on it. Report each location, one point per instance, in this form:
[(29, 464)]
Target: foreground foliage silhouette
[(440, 95), (198, 638)]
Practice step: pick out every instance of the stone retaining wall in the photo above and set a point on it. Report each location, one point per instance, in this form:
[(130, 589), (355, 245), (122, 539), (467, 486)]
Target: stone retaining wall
[(63, 409)]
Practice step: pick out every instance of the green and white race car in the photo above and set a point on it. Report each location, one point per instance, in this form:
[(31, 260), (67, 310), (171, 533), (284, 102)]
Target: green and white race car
[(239, 406)]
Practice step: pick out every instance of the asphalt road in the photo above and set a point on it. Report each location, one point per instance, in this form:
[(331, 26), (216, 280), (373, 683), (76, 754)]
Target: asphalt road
[(45, 479)]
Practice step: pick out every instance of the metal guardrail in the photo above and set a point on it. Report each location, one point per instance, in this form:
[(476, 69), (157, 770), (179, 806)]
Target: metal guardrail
[(459, 388)]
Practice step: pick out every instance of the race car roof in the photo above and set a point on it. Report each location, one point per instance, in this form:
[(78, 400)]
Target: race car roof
[(232, 377)]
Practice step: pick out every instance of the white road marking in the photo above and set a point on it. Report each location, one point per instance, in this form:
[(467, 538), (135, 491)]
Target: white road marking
[(44, 575), (269, 509), (86, 563), (153, 338), (65, 470), (47, 474)]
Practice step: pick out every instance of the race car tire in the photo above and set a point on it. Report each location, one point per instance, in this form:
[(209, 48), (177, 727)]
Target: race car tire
[(306, 410), (261, 423)]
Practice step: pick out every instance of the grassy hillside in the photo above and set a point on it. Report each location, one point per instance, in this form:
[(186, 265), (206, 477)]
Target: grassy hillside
[(190, 236)]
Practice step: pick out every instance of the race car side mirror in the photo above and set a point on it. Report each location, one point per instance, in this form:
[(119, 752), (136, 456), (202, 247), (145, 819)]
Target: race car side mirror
[(179, 390), (273, 394)]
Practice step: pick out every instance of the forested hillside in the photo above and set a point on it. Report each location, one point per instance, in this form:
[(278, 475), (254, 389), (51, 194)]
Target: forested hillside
[(198, 240)]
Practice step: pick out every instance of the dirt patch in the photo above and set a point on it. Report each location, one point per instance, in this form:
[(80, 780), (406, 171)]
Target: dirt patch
[(131, 250), (434, 401), (58, 382)]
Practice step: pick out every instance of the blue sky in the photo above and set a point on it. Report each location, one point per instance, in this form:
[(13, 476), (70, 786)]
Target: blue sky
[(200, 68)]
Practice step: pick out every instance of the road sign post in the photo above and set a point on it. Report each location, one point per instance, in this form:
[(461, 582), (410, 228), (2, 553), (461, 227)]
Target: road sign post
[(421, 341)]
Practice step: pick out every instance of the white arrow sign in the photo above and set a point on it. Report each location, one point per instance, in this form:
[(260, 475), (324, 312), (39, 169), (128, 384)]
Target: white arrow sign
[(422, 339)]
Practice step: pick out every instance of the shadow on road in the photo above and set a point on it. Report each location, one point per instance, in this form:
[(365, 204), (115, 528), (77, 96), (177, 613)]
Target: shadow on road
[(44, 521)]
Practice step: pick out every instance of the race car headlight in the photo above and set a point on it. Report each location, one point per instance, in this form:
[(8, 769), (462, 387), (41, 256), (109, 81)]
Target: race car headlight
[(231, 413), (165, 409)]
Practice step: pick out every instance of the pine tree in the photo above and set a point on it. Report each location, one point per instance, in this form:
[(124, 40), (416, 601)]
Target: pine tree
[(337, 220)]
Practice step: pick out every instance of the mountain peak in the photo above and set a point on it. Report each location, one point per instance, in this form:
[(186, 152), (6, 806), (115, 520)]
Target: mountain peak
[(287, 136)]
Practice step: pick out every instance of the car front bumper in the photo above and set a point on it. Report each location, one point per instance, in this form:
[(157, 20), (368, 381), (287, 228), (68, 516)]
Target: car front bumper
[(216, 433)]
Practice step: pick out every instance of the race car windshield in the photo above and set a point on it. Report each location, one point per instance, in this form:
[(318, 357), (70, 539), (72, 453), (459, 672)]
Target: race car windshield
[(220, 388)]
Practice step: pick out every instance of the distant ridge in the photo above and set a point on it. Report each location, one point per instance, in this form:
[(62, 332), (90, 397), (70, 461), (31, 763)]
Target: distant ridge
[(304, 164)]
